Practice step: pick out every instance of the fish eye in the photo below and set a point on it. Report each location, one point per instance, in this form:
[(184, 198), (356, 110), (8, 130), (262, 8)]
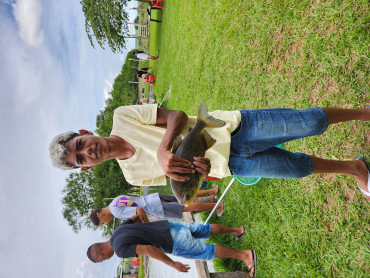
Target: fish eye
[(186, 197)]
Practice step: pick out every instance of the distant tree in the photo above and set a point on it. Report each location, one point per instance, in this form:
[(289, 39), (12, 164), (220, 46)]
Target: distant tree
[(106, 20), (123, 93)]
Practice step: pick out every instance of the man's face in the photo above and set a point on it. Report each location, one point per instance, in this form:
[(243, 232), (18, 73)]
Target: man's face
[(104, 218), (105, 255), (87, 150)]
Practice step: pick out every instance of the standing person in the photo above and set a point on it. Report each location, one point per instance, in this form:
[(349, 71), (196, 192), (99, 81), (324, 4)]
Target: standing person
[(153, 206), (143, 101), (154, 239), (244, 146), (142, 71), (143, 56)]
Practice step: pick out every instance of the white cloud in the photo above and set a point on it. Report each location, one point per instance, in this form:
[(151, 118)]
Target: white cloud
[(28, 14), (28, 74), (86, 271), (108, 87)]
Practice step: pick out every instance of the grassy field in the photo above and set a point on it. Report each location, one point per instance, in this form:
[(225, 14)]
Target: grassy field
[(292, 54), (150, 46)]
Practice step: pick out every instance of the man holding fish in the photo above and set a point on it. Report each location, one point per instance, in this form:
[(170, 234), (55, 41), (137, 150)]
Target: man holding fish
[(142, 139)]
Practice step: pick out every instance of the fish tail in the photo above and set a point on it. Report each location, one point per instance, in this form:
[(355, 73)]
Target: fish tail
[(208, 120)]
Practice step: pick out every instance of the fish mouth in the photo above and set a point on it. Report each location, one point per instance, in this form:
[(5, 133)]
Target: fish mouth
[(186, 204)]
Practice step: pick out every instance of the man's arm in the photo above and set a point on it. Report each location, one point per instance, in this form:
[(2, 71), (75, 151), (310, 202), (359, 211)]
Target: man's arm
[(174, 120), (142, 215), (136, 219), (157, 254), (171, 164)]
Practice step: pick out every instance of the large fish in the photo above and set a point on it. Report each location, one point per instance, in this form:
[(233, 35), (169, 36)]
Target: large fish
[(194, 144)]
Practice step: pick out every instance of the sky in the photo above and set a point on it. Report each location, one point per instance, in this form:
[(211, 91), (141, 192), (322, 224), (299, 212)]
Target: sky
[(52, 80)]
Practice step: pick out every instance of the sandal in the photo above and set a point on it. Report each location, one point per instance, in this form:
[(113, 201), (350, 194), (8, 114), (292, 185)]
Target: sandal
[(253, 264), (239, 237), (368, 177), (220, 214)]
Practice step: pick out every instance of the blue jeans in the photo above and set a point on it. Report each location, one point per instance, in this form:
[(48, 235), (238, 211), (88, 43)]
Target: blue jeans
[(188, 243), (252, 151)]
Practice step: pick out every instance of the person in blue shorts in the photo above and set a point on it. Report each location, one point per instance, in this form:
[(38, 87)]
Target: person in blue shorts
[(156, 239)]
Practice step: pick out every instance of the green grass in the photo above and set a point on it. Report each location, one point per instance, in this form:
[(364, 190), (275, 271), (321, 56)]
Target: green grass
[(150, 46), (292, 54), (141, 273)]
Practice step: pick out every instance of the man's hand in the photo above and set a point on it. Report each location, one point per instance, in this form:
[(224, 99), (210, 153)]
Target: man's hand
[(180, 267), (156, 253), (172, 164), (202, 166), (142, 215)]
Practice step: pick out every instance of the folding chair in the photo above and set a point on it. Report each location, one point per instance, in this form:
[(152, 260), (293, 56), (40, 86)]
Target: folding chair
[(155, 4), (149, 79)]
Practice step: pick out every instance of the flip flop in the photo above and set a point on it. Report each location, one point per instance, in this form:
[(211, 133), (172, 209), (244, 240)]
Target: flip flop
[(368, 177), (219, 215), (239, 237), (217, 193), (253, 264)]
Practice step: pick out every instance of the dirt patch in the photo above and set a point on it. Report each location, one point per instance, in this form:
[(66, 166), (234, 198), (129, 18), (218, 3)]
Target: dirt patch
[(331, 86), (278, 37), (330, 202), (331, 177), (330, 28), (334, 272), (315, 95), (274, 64), (352, 61), (280, 65)]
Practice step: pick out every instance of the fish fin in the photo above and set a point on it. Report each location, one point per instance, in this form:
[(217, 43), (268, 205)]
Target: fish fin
[(206, 118), (208, 138), (176, 143)]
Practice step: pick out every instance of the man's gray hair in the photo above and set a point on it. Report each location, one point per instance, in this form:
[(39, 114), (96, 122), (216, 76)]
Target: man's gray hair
[(58, 150)]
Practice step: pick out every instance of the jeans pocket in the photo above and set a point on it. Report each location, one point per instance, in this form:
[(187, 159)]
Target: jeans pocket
[(240, 150)]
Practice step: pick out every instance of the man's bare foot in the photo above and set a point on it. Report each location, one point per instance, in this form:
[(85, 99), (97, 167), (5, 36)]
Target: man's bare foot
[(362, 178), (214, 191), (366, 114), (220, 209), (249, 261)]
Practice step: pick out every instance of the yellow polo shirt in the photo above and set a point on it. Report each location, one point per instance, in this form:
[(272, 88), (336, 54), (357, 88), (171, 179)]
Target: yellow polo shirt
[(136, 125)]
